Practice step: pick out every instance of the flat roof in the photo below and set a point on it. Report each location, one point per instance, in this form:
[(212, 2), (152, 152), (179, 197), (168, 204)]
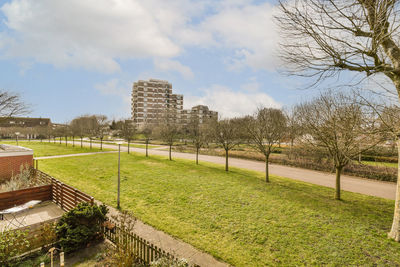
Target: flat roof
[(11, 150)]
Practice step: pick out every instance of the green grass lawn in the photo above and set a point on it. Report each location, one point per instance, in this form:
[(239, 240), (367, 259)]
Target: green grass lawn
[(235, 216), (42, 149), (375, 163)]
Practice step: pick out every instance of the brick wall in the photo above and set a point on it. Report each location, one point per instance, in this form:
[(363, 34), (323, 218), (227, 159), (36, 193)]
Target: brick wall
[(10, 165)]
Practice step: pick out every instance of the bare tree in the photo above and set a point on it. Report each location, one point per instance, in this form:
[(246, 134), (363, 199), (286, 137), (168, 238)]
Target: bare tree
[(102, 127), (227, 133), (167, 129), (265, 129), (147, 131), (11, 104), (198, 133), (293, 129), (127, 131), (338, 125), (80, 126), (332, 36), (92, 128)]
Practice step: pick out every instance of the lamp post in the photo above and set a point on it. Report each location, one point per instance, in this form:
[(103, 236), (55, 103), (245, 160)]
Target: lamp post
[(119, 173), (16, 136)]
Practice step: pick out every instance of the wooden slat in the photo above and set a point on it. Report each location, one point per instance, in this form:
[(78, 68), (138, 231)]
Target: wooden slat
[(18, 197)]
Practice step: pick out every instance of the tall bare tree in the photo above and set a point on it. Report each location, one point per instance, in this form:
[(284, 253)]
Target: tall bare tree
[(198, 133), (293, 129), (338, 125), (102, 127), (80, 126), (11, 104), (127, 131), (147, 131), (265, 129), (228, 134), (325, 37), (168, 129)]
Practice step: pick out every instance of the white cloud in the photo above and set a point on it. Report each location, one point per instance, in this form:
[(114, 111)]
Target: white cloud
[(118, 88), (96, 34), (173, 65), (92, 34), (230, 103), (250, 30)]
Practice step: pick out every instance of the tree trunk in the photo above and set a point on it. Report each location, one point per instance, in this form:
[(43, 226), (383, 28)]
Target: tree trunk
[(226, 159), (267, 168), (101, 143), (197, 155), (73, 141), (90, 143), (147, 145), (60, 140), (66, 141), (395, 231), (291, 148), (338, 173), (81, 142), (128, 145), (170, 150)]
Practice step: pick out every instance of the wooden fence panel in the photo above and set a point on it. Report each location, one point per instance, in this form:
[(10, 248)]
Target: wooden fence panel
[(145, 251), (65, 196), (19, 197)]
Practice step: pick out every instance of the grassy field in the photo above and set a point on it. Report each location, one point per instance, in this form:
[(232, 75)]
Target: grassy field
[(42, 149), (375, 163), (235, 216)]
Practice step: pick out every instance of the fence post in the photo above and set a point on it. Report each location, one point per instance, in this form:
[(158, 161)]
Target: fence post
[(62, 196), (75, 197), (148, 252)]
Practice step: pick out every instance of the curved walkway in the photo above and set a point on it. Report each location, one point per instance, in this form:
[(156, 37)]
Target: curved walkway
[(74, 155)]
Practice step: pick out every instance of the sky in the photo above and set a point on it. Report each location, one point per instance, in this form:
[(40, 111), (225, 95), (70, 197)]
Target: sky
[(68, 58)]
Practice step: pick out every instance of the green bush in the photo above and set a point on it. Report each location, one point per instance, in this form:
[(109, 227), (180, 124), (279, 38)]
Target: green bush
[(12, 243), (81, 226)]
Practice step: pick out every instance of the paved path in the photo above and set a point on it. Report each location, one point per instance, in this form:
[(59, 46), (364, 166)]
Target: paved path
[(74, 155), (349, 183)]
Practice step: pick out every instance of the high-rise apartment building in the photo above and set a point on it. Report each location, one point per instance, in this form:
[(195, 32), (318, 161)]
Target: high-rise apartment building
[(152, 98)]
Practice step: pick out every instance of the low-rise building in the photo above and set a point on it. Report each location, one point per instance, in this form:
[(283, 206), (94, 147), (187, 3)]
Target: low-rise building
[(24, 122), (12, 158)]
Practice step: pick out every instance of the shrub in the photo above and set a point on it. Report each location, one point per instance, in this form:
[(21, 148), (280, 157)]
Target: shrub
[(45, 236), (21, 181), (12, 243), (81, 226)]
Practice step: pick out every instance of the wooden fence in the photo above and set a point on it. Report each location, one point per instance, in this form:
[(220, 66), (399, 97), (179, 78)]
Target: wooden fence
[(144, 251), (19, 197), (62, 194)]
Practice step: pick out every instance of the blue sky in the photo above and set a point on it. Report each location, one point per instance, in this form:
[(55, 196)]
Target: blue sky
[(67, 58)]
